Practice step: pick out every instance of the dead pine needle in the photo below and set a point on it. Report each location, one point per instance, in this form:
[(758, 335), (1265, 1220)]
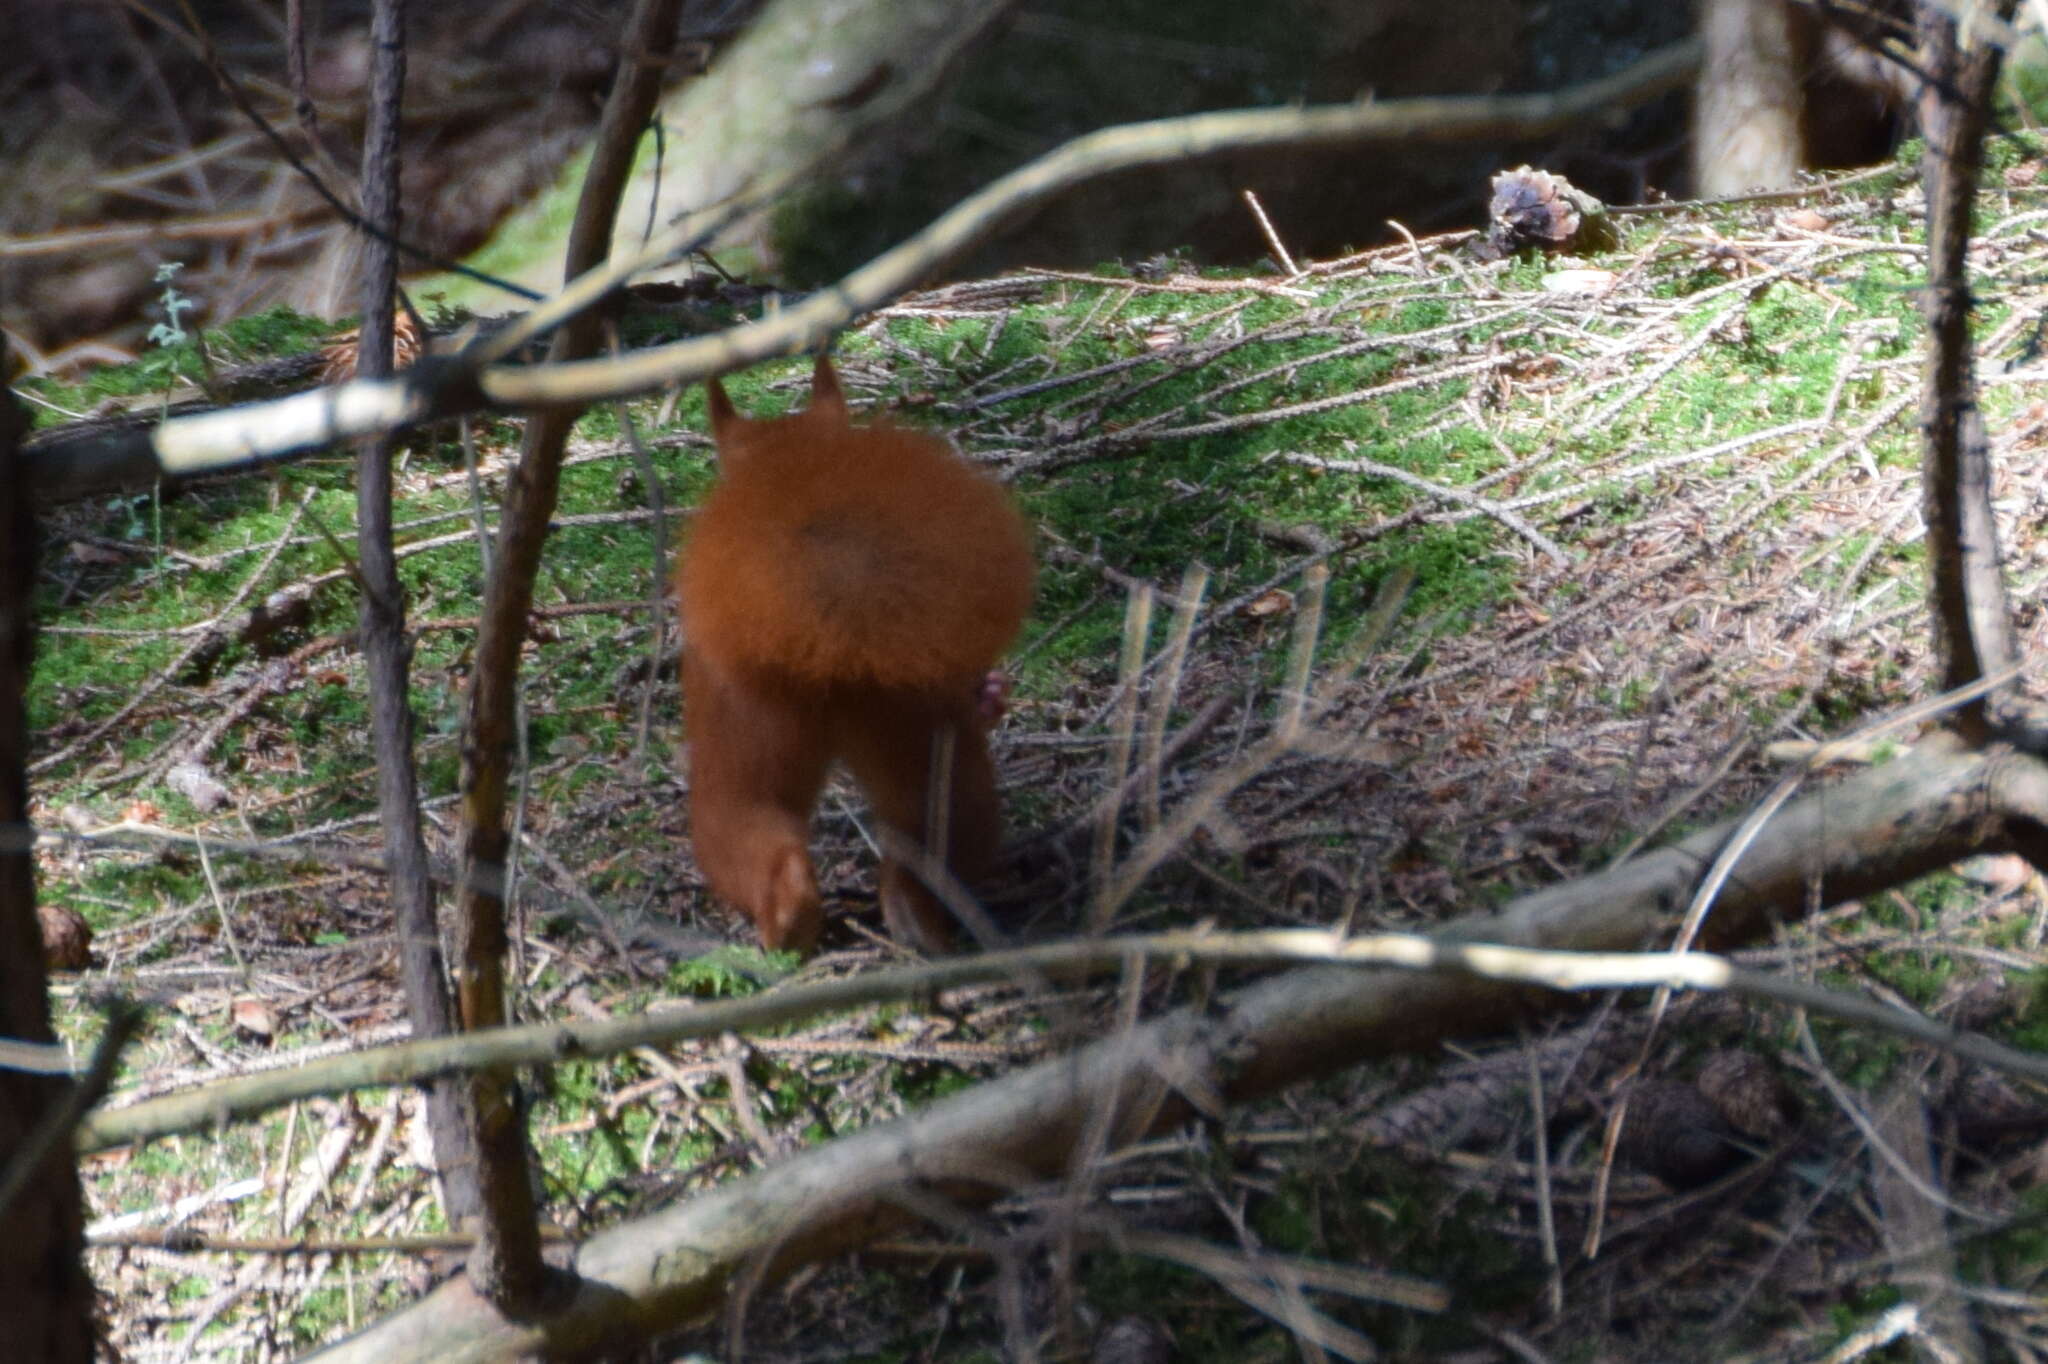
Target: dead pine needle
[(1123, 729)]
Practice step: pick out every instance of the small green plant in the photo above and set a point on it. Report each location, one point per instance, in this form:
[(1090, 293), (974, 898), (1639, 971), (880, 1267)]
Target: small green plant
[(728, 972), (170, 331), (166, 334), (133, 505)]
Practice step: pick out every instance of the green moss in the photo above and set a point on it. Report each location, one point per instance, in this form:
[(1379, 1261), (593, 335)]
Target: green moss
[(1130, 475)]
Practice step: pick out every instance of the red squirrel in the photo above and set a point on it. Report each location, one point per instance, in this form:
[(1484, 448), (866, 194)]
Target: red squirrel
[(845, 591)]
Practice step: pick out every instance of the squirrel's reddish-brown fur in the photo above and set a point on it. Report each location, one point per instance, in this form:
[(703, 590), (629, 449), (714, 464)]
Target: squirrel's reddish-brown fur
[(844, 593)]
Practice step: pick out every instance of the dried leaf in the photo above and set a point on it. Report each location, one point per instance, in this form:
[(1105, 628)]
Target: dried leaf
[(255, 1016), (1276, 602), (2001, 873), (80, 552)]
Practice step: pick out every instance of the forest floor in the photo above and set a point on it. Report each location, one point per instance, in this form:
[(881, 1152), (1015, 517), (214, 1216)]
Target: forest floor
[(1603, 537)]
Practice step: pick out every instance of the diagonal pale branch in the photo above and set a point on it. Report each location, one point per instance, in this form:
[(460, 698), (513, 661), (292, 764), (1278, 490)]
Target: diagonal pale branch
[(1876, 829), (244, 437), (1107, 152)]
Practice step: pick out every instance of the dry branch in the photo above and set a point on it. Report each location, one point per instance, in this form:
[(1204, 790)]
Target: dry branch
[(1561, 970), (507, 1266), (1966, 588), (387, 656), (1876, 829), (42, 1275)]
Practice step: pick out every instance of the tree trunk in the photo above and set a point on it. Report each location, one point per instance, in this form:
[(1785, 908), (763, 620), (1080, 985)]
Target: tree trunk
[(45, 1297), (387, 654)]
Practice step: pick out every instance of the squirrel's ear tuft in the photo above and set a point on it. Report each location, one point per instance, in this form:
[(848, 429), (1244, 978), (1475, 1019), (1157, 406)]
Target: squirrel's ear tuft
[(826, 395), (723, 413)]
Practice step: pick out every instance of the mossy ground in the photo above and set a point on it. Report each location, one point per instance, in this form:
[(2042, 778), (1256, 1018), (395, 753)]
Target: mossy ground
[(1654, 516)]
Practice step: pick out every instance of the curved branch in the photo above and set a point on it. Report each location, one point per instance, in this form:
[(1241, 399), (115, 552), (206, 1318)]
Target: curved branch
[(245, 437), (1462, 118)]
